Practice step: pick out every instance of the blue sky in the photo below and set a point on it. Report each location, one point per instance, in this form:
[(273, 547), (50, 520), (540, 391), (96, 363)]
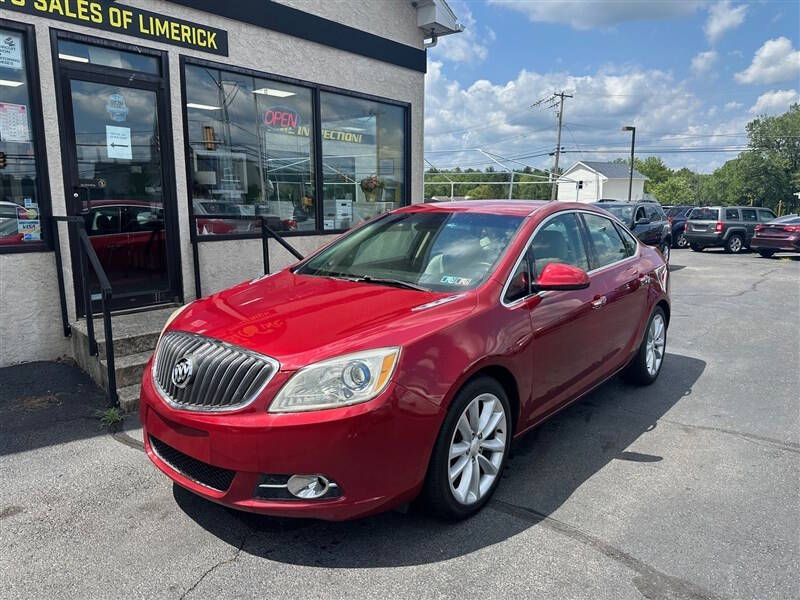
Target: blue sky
[(689, 74)]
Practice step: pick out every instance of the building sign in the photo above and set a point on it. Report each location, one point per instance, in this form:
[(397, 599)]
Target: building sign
[(127, 20)]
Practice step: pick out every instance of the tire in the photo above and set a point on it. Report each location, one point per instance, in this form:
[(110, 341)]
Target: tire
[(665, 250), (439, 494), (734, 244), (766, 253), (639, 370), (696, 247), (681, 242)]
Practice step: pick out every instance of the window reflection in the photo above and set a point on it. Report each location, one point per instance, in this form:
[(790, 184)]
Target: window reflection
[(251, 152), (20, 201), (362, 159)]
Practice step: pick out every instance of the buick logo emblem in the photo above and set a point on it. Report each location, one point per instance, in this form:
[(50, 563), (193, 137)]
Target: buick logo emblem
[(182, 372)]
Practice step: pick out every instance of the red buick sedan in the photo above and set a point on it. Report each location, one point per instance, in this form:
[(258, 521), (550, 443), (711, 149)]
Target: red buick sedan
[(402, 358)]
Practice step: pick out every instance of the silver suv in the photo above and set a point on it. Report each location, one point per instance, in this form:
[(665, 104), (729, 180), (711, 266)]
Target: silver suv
[(729, 227)]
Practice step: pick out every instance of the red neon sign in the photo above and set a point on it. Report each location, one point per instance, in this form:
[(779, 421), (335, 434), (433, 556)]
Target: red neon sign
[(281, 117)]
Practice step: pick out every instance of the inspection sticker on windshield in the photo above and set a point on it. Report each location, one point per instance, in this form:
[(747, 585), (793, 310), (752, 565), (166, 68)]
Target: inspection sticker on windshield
[(448, 279)]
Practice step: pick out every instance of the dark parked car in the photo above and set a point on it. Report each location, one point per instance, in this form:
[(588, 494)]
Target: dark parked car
[(779, 235), (677, 217), (729, 227), (646, 219)]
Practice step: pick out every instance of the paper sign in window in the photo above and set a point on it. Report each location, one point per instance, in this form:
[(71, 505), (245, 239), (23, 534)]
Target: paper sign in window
[(118, 142)]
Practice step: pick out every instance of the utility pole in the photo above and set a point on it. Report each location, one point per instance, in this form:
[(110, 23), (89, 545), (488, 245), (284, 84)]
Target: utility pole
[(561, 95)]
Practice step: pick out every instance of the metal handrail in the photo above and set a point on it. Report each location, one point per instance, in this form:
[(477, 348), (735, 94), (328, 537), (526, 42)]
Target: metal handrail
[(88, 257), (266, 233)]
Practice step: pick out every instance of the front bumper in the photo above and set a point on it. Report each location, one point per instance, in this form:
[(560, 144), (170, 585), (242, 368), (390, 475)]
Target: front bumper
[(377, 452)]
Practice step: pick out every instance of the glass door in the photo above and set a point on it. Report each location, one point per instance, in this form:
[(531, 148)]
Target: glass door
[(115, 177)]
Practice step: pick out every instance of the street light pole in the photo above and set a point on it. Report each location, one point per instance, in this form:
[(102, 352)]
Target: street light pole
[(633, 141)]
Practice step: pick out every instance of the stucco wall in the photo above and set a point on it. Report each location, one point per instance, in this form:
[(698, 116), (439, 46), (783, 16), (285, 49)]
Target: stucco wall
[(392, 19), (250, 47), (30, 314)]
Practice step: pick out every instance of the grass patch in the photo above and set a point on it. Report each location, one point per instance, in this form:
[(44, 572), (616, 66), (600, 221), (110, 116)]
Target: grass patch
[(110, 417)]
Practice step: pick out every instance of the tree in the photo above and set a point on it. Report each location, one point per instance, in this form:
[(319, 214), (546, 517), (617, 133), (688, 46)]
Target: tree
[(677, 189), (654, 169)]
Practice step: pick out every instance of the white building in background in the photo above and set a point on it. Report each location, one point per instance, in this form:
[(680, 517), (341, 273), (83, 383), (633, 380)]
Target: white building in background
[(590, 181)]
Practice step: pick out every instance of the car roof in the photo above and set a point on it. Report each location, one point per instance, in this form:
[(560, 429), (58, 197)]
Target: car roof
[(520, 208)]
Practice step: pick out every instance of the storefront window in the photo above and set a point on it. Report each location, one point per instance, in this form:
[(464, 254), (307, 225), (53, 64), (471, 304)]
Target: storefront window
[(362, 159), (250, 145), (20, 196)]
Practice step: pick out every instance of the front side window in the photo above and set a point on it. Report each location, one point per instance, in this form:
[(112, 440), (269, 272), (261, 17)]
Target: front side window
[(439, 251), (20, 195), (363, 149), (606, 245), (250, 143), (654, 213), (559, 241), (765, 215), (749, 214)]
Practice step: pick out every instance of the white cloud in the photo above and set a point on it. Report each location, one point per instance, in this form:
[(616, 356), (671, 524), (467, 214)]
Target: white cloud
[(774, 102), (703, 62), (467, 46), (733, 105), (497, 116), (590, 15), (774, 62), (722, 17)]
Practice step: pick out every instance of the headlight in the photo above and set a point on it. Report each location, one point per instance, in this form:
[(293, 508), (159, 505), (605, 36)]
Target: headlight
[(341, 381), (171, 318)]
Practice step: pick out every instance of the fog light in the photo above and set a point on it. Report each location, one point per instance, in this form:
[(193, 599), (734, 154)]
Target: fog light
[(307, 486)]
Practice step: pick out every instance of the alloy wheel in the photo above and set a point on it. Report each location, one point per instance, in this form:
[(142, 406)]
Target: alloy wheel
[(682, 241), (656, 339), (735, 244), (477, 448)]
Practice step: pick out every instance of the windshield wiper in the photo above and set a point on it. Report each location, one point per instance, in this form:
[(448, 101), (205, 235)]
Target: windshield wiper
[(394, 282)]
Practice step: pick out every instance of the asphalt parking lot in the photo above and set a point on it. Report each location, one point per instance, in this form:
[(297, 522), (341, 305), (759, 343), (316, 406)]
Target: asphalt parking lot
[(688, 489)]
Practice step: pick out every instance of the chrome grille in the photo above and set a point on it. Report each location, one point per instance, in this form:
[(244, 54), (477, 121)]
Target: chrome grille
[(222, 376)]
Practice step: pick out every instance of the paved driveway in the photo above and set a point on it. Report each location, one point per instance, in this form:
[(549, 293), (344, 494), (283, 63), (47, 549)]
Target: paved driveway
[(687, 489)]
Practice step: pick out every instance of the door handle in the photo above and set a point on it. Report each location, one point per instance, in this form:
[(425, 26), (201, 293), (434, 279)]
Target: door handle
[(644, 279), (599, 302)]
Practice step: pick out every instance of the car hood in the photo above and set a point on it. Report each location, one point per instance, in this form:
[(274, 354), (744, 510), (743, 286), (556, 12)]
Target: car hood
[(300, 319)]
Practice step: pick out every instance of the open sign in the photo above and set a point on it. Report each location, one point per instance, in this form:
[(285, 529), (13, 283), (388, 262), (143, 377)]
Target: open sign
[(281, 117)]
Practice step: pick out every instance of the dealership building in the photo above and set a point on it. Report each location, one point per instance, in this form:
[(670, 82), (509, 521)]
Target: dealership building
[(151, 123)]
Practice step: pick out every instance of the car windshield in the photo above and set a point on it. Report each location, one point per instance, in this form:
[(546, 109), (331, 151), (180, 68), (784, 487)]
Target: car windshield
[(439, 251), (705, 214), (623, 213)]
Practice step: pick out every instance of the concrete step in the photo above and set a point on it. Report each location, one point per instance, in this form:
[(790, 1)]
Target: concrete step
[(128, 368), (129, 397), (133, 332)]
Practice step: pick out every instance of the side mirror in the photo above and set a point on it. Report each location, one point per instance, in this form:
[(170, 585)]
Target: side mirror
[(559, 277), (643, 221)]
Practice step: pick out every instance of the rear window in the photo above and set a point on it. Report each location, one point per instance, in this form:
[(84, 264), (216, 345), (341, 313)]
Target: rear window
[(676, 211), (705, 214), (731, 214)]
